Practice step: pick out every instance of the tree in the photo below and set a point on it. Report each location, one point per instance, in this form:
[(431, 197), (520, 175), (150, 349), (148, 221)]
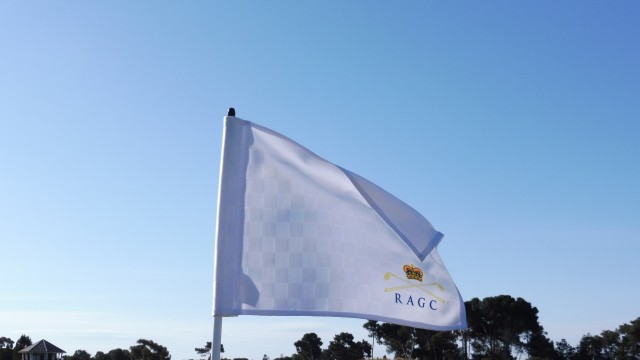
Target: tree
[(465, 341), (118, 354), (564, 350), (206, 350), (344, 348), (309, 347), (630, 340), (610, 343), (436, 345), (78, 355), (589, 348), (23, 342), (539, 346), (398, 339), (501, 326), (6, 343), (101, 356), (6, 348), (374, 332), (149, 350), (409, 342)]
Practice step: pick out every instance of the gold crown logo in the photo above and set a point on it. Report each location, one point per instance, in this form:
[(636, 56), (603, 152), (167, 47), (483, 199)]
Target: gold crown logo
[(413, 272)]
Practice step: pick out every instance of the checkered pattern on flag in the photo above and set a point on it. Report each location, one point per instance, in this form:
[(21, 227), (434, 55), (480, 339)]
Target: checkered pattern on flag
[(298, 235)]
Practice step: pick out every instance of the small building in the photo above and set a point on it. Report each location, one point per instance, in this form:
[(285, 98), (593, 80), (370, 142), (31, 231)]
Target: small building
[(42, 350)]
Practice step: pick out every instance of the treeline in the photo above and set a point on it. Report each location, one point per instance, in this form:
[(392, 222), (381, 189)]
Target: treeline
[(9, 349), (500, 328), (143, 350)]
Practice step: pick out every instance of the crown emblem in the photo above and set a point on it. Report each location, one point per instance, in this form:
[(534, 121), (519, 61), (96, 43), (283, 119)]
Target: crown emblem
[(413, 272)]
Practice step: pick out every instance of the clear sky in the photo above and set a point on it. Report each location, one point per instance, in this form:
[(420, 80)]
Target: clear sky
[(513, 126)]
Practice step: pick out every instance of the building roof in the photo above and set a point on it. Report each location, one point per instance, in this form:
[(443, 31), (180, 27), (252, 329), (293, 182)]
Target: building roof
[(42, 346)]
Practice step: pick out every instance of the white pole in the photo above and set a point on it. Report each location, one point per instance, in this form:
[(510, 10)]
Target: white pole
[(217, 338), (217, 320)]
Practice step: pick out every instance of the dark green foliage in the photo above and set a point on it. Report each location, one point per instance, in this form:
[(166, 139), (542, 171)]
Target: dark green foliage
[(589, 348), (119, 354), (78, 355), (630, 340), (501, 327), (621, 344), (412, 343), (6, 343), (539, 346), (6, 354), (374, 332), (115, 354), (400, 340), (206, 350), (309, 347), (101, 356), (6, 348), (23, 342), (564, 350), (344, 348), (436, 345), (149, 350)]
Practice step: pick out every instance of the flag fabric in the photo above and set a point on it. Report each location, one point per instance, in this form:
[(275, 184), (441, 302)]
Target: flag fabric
[(298, 235)]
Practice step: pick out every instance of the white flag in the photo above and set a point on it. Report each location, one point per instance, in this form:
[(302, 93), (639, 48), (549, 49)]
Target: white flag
[(298, 235)]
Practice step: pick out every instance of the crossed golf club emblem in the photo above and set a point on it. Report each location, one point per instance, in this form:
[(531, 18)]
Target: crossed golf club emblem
[(411, 285)]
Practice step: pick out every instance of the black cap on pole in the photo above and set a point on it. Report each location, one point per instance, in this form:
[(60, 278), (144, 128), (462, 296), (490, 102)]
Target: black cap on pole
[(231, 112)]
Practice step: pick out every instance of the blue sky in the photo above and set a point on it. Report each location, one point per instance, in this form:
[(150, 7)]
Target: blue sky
[(512, 126)]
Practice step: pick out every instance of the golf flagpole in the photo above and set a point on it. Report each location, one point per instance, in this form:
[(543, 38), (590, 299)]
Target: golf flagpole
[(216, 344)]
